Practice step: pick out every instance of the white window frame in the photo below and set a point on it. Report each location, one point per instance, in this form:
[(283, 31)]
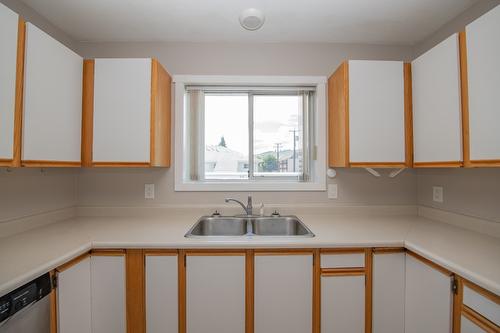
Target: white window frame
[(318, 168)]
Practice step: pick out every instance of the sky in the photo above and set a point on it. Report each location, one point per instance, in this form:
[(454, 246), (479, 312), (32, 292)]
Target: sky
[(274, 118)]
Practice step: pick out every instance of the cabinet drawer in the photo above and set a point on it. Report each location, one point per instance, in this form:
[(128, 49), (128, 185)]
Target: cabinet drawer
[(482, 305), (342, 260)]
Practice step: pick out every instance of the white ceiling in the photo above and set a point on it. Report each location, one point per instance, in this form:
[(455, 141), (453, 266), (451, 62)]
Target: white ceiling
[(401, 22)]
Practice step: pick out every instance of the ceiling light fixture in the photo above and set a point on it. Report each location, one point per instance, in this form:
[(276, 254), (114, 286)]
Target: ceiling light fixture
[(252, 19)]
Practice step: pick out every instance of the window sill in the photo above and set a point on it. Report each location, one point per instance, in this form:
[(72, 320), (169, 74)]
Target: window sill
[(246, 187)]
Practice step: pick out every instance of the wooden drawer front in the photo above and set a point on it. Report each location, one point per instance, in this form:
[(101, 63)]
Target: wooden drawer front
[(482, 305), (342, 260)]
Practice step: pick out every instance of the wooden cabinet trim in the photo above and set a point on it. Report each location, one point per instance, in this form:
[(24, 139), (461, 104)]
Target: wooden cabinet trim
[(181, 266), (249, 291), (121, 164), (388, 250), (108, 252), (429, 263), (408, 102), (483, 292), (19, 98), (72, 262), (135, 295), (51, 164), (457, 305), (442, 164), (347, 250), (368, 289), (377, 165), (484, 163), (284, 252), (338, 117), (88, 111), (213, 252), (316, 292), (160, 252), (351, 271), (160, 126), (464, 97), (482, 322)]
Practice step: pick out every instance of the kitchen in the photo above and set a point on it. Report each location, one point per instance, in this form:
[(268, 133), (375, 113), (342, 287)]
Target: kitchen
[(366, 136)]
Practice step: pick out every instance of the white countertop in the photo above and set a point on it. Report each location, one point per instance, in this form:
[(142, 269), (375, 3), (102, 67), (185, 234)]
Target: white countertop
[(29, 254)]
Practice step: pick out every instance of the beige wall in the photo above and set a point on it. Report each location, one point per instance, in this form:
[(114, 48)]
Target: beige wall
[(24, 192), (474, 192), (126, 187), (356, 187)]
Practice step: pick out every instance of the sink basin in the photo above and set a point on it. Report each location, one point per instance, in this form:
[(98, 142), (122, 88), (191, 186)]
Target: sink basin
[(219, 226), (253, 226), (279, 226)]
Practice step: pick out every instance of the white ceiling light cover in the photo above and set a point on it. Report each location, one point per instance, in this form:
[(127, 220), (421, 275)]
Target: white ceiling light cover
[(252, 19)]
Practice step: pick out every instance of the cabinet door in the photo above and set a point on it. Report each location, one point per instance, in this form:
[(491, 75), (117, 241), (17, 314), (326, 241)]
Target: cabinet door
[(73, 299), (467, 326), (388, 293), (215, 293), (376, 112), (52, 100), (161, 294), (122, 110), (343, 304), (428, 304), (108, 294), (437, 120), (483, 52), (8, 55), (283, 293)]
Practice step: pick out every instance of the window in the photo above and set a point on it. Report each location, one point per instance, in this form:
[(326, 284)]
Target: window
[(248, 137)]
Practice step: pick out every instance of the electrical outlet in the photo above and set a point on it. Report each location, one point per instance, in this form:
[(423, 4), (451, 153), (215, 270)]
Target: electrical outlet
[(333, 191), (149, 191), (437, 194)]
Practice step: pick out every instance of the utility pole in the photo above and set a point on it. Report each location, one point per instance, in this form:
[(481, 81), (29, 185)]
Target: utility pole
[(294, 147), (278, 145)]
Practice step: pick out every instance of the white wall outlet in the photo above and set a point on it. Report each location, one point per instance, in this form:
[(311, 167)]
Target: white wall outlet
[(437, 194), (149, 191), (333, 191)]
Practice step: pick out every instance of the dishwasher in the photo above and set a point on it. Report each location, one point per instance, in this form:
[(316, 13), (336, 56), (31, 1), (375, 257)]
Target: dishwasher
[(27, 309)]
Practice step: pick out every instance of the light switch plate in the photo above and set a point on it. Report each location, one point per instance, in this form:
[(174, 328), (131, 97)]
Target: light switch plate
[(149, 191), (437, 194), (333, 191)]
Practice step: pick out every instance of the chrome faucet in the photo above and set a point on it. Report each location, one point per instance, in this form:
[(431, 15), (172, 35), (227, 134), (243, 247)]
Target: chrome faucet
[(248, 209)]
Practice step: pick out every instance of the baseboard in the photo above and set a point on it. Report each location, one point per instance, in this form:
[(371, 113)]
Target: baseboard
[(482, 226)]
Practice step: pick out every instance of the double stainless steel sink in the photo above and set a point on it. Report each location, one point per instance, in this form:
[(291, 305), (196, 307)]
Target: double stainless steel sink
[(233, 226)]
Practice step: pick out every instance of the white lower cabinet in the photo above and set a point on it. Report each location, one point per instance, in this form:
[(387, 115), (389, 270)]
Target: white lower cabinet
[(73, 299), (388, 311), (215, 293), (283, 293), (428, 302), (467, 326), (108, 294), (343, 304), (161, 294)]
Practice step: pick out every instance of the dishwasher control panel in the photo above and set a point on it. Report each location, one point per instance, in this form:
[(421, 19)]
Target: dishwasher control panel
[(24, 296)]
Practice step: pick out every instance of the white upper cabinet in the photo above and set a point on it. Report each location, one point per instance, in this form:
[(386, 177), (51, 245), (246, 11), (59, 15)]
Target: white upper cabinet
[(9, 22), (376, 111), (122, 97), (367, 115), (483, 67), (128, 120), (52, 102), (437, 114)]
